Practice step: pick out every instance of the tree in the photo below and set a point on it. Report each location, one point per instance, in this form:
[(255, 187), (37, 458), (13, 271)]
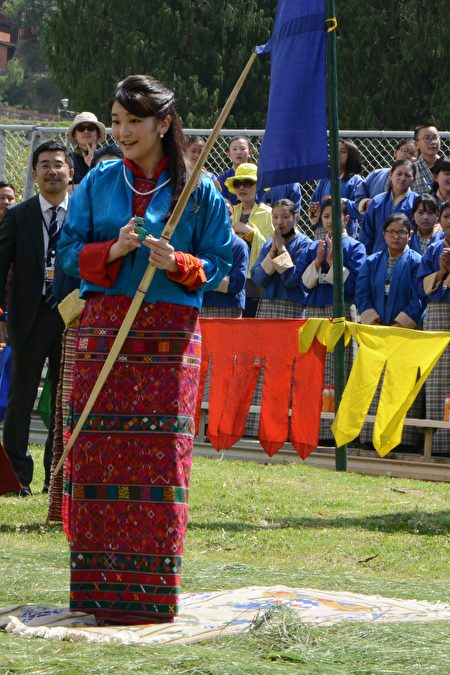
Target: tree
[(28, 81), (391, 58), (198, 49)]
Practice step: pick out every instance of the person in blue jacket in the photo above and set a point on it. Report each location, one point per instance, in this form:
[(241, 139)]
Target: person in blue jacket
[(228, 299), (274, 270), (130, 465), (378, 181), (399, 199), (434, 287), (350, 166), (314, 272), (427, 230), (386, 289), (387, 295)]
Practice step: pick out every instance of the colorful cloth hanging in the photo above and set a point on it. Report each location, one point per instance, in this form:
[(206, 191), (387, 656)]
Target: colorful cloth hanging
[(237, 350), (405, 356)]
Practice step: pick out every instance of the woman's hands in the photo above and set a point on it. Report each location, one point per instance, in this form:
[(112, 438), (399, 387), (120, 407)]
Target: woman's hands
[(88, 152), (320, 255), (127, 241), (278, 246), (162, 254)]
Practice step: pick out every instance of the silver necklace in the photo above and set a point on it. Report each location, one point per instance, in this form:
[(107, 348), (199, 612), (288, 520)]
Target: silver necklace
[(143, 194)]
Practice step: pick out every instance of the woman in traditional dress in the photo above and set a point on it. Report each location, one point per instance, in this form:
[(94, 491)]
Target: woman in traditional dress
[(350, 166), (314, 271), (128, 474), (441, 186), (274, 272), (434, 286), (398, 199), (274, 269), (427, 230), (228, 299), (387, 295)]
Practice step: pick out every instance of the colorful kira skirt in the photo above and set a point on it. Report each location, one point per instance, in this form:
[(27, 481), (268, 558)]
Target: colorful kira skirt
[(127, 478)]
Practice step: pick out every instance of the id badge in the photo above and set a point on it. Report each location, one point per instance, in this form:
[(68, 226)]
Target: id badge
[(49, 273)]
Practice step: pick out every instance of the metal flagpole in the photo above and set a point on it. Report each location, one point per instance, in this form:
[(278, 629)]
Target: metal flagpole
[(338, 283), (150, 271)]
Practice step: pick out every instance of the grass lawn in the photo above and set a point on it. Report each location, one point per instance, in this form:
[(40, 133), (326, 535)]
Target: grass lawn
[(253, 524)]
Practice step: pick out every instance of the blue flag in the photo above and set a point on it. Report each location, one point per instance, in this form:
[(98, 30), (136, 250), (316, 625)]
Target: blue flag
[(294, 147)]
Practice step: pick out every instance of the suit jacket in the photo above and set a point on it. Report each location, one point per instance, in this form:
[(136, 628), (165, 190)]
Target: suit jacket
[(22, 243)]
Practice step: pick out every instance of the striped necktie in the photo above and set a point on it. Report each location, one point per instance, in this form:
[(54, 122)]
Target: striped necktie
[(53, 235)]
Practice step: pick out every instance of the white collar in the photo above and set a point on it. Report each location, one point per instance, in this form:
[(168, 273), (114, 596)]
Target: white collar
[(45, 205)]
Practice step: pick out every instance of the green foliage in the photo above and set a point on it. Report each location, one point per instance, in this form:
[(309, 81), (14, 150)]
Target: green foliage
[(198, 49), (12, 77), (30, 84), (391, 61)]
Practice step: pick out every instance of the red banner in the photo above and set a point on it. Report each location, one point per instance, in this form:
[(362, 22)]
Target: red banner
[(237, 349)]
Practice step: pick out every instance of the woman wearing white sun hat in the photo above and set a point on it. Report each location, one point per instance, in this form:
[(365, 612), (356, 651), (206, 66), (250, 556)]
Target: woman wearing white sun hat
[(85, 133)]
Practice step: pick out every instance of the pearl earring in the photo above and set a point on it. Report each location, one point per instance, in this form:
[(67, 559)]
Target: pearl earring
[(161, 135)]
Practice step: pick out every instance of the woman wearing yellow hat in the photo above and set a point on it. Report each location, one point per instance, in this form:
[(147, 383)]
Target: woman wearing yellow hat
[(252, 222)]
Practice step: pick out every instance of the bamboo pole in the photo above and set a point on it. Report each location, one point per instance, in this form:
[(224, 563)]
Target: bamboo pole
[(149, 273)]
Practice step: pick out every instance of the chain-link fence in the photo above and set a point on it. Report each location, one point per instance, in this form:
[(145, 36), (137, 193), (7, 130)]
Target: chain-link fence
[(17, 143)]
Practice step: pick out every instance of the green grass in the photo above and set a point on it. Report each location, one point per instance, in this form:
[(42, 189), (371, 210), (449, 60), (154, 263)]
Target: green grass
[(261, 525)]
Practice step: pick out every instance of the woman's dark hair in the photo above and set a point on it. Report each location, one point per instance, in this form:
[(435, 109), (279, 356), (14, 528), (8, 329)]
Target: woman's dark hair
[(401, 217), (401, 142), (190, 140), (288, 204), (327, 201), (354, 163), (103, 151), (427, 202), (441, 164), (144, 96), (399, 162), (3, 184), (249, 143), (444, 207)]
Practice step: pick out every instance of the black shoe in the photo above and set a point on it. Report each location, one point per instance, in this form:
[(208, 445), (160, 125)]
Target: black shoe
[(45, 489), (25, 491)]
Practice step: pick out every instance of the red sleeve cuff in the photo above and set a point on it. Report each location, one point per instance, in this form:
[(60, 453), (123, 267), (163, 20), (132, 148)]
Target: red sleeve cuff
[(94, 266), (190, 271)]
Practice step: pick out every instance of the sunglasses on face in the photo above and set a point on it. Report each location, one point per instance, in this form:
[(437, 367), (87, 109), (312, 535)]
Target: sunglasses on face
[(86, 127), (246, 183)]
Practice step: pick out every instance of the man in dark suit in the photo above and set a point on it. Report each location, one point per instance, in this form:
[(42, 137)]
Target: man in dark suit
[(28, 238)]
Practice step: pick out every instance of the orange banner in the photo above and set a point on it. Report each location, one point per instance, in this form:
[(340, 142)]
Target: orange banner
[(237, 348)]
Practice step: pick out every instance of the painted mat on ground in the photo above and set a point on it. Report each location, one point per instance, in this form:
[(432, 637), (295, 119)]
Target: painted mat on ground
[(222, 613)]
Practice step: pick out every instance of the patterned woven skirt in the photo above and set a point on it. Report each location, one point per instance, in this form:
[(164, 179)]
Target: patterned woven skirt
[(437, 386), (221, 312), (127, 479), (63, 397)]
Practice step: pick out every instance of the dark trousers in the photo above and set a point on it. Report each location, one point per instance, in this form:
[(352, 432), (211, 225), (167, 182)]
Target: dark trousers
[(28, 361)]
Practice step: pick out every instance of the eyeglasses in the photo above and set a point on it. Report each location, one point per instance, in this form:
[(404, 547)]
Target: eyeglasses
[(428, 138), (86, 127), (246, 183), (397, 233)]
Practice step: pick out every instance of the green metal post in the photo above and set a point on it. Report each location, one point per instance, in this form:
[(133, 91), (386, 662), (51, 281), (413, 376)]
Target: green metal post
[(338, 283)]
